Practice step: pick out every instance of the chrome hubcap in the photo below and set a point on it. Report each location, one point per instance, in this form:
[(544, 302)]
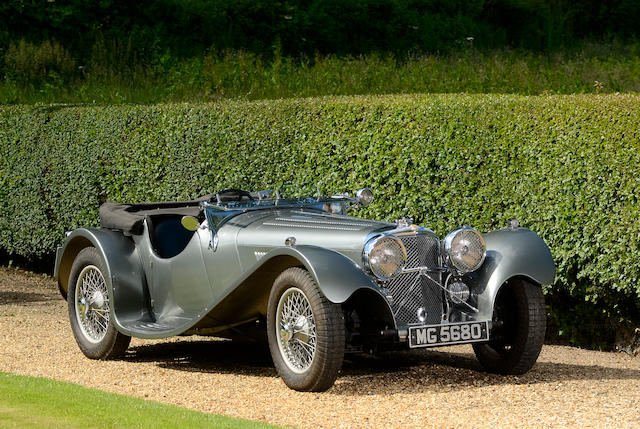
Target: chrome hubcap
[(296, 330), (92, 304)]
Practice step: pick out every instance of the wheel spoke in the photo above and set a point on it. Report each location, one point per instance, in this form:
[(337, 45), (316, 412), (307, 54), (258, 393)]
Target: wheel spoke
[(306, 346), (92, 304), (296, 322)]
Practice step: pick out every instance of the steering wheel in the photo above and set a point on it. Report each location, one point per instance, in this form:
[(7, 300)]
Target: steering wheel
[(229, 194)]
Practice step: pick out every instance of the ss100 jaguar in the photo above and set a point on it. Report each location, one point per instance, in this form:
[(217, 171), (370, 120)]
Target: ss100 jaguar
[(312, 281)]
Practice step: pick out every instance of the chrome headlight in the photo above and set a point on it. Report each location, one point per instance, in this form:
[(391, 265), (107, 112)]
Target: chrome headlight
[(465, 249), (364, 197), (385, 256)]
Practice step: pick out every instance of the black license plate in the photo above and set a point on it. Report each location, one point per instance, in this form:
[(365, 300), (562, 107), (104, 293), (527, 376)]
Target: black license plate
[(450, 333)]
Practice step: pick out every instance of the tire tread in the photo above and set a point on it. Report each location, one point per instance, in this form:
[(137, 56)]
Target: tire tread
[(329, 327), (115, 343), (529, 336)]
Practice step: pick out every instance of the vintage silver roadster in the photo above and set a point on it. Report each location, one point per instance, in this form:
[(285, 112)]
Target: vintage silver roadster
[(300, 273)]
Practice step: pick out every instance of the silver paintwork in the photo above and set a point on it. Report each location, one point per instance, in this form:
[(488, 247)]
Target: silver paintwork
[(179, 286), (205, 291), (511, 253), (198, 288), (124, 274)]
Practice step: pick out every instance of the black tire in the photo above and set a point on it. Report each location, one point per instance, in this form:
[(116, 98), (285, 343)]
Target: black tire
[(321, 372), (520, 322), (108, 343)]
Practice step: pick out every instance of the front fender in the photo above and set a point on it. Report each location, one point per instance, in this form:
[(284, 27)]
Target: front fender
[(125, 276), (337, 276), (511, 253)]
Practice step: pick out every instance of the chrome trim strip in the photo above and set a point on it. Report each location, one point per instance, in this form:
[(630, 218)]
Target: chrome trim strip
[(320, 221), (293, 225), (423, 269)]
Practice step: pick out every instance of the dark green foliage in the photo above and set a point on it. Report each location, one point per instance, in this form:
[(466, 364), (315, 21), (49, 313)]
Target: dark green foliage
[(27, 63), (311, 26), (149, 51), (568, 167)]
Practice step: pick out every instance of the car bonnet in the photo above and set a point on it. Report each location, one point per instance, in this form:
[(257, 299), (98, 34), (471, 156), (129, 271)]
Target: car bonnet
[(264, 230)]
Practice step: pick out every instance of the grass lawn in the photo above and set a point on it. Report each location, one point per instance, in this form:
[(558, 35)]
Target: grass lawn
[(28, 402)]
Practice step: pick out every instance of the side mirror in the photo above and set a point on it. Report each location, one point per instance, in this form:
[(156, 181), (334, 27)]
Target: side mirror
[(364, 197), (190, 223)]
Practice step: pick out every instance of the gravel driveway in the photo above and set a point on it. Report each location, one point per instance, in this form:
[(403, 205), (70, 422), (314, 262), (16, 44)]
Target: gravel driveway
[(436, 388)]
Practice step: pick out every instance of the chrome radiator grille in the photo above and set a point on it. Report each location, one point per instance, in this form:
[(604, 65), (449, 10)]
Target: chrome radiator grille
[(411, 291), (422, 249)]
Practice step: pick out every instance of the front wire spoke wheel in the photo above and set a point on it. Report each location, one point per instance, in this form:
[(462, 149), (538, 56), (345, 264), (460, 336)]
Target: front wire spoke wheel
[(296, 337), (306, 332)]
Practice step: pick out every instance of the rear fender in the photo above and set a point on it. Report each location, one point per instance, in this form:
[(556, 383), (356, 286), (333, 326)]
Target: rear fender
[(125, 277), (511, 253)]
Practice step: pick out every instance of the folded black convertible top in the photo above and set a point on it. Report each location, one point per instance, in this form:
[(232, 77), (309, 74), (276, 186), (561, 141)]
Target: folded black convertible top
[(129, 218)]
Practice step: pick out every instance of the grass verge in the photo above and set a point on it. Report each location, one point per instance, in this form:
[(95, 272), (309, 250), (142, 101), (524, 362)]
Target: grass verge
[(28, 402), (114, 78)]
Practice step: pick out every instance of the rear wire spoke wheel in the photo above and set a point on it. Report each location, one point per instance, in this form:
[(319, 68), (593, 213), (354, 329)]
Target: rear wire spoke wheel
[(305, 331), (92, 304), (520, 319), (90, 308)]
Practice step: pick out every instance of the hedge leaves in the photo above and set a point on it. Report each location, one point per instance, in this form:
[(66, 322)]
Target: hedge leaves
[(567, 167)]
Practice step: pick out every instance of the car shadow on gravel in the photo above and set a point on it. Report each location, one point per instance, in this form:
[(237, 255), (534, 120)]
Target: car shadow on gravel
[(209, 356), (428, 371), (362, 374)]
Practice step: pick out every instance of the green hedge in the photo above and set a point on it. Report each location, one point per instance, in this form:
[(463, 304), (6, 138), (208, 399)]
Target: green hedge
[(567, 167)]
